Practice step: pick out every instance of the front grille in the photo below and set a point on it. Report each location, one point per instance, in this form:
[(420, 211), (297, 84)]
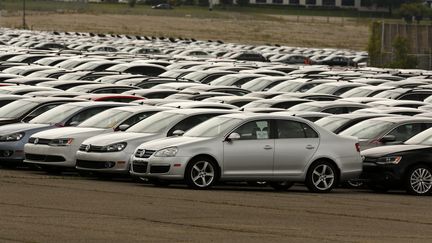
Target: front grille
[(92, 148), (370, 160), (144, 153), (159, 168), (39, 141), (44, 158), (95, 164), (139, 167)]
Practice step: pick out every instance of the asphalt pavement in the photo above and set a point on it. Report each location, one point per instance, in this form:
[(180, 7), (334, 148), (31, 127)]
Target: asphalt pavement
[(37, 207)]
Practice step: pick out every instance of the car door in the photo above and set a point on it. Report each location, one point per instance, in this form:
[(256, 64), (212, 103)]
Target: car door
[(250, 156), (295, 144)]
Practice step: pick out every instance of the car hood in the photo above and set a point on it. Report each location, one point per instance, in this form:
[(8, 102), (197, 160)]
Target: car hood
[(391, 149), (20, 127), (172, 141), (118, 137), (70, 132)]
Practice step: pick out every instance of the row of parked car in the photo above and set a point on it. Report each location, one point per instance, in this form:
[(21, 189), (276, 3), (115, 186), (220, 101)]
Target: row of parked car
[(164, 117)]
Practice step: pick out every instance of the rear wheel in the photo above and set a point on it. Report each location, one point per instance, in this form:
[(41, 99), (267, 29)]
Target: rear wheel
[(201, 173), (281, 185), (321, 177), (419, 180)]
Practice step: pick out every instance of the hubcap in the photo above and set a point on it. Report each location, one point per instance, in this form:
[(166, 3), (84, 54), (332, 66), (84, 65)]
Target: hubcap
[(323, 177), (421, 180), (202, 174)]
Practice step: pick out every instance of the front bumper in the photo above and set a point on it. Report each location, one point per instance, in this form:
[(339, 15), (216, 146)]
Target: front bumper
[(165, 168), (117, 162), (381, 174), (40, 154), (12, 152)]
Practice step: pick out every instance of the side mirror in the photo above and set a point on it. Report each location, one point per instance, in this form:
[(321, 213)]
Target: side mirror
[(388, 139), (233, 136), (123, 127), (74, 123), (178, 133)]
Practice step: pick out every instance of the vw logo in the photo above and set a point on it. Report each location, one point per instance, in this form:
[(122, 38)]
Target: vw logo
[(87, 148), (141, 154), (36, 141)]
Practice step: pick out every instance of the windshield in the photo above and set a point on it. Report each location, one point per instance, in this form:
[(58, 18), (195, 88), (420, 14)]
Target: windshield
[(17, 108), (212, 127), (225, 80), (107, 119), (157, 123), (256, 84), (331, 123), (258, 104), (305, 107), (423, 138), (323, 89), (357, 92), (389, 94), (287, 87), (56, 115), (368, 129)]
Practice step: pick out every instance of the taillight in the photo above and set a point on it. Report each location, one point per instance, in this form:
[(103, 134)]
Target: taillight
[(357, 145)]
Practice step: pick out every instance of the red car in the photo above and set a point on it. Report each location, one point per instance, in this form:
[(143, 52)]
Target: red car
[(110, 97)]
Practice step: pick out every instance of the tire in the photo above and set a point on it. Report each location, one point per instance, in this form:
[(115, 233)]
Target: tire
[(201, 173), (281, 185), (418, 180), (321, 177)]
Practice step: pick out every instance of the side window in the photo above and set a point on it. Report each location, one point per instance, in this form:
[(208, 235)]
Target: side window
[(286, 105), (335, 110), (84, 115), (342, 90), (410, 97), (137, 118), (254, 130), (289, 129), (353, 108), (310, 133), (406, 131), (190, 122)]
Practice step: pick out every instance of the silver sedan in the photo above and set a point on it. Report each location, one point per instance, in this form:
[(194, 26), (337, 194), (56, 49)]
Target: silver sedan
[(279, 149)]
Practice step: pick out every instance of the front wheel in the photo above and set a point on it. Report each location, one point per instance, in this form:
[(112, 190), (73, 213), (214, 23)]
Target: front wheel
[(419, 180), (321, 177), (281, 185), (201, 174)]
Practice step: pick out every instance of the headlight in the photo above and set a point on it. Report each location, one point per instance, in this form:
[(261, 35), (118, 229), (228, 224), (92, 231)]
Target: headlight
[(12, 137), (167, 152), (389, 160), (115, 147), (61, 142)]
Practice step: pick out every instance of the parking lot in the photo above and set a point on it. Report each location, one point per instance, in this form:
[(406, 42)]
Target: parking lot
[(37, 207)]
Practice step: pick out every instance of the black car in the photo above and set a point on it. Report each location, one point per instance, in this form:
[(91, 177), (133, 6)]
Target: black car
[(407, 166)]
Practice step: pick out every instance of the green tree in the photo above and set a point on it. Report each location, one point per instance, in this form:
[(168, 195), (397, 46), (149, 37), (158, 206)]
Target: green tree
[(132, 3), (401, 57), (374, 44)]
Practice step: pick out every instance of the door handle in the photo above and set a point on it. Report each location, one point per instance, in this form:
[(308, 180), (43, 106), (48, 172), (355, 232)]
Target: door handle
[(267, 147), (310, 147)]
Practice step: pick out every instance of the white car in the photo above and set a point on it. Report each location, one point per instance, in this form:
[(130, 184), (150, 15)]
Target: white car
[(57, 147), (279, 149), (97, 153)]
